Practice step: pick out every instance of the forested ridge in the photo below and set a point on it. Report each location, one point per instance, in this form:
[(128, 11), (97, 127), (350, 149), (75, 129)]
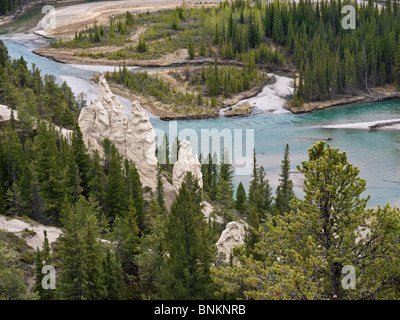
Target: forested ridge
[(32, 95)]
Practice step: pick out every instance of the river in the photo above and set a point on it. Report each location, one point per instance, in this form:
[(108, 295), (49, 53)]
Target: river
[(375, 153)]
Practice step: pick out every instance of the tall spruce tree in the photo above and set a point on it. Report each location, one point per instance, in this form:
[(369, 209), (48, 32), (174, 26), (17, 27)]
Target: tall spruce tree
[(185, 273), (241, 200), (284, 192), (116, 200)]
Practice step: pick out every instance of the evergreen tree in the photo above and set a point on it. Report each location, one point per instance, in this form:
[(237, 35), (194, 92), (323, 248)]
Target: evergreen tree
[(126, 236), (96, 179), (160, 195), (185, 273), (241, 200), (38, 274), (113, 278), (135, 191), (396, 69), (81, 156), (82, 253), (284, 192), (116, 201), (191, 50), (225, 186)]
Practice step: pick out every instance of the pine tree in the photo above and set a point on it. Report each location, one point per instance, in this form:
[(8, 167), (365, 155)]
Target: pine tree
[(141, 47), (254, 181), (263, 196), (396, 69), (36, 200), (96, 179), (191, 50), (42, 259), (185, 274), (116, 201), (203, 49), (38, 274), (213, 175), (113, 277), (4, 56), (135, 191), (82, 274), (51, 173), (241, 200), (126, 237), (284, 192), (14, 203), (225, 186), (81, 157), (72, 255), (93, 287), (160, 194)]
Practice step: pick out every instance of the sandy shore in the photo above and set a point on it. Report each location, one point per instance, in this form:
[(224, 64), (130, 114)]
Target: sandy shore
[(76, 17), (272, 97)]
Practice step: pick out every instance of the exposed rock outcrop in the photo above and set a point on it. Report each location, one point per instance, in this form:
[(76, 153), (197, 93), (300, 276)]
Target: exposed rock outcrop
[(134, 136), (186, 162), (242, 109), (232, 236), (35, 239), (5, 113), (208, 210)]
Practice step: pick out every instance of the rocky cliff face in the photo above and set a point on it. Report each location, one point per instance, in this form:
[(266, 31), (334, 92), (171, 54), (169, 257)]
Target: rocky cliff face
[(186, 162), (134, 136)]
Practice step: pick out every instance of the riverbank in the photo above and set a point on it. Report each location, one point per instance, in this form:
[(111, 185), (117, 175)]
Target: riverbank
[(159, 109), (156, 107), (377, 94), (178, 58)]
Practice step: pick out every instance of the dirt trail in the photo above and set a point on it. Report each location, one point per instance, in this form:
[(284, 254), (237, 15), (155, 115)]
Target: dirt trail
[(23, 229)]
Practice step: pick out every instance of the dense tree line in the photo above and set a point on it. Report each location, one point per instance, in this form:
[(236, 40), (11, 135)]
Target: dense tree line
[(10, 6), (224, 31), (226, 81), (333, 60), (153, 87), (32, 95)]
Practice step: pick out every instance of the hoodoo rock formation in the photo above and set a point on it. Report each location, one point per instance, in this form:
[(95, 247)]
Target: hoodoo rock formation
[(134, 136), (232, 236), (5, 113), (186, 162)]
